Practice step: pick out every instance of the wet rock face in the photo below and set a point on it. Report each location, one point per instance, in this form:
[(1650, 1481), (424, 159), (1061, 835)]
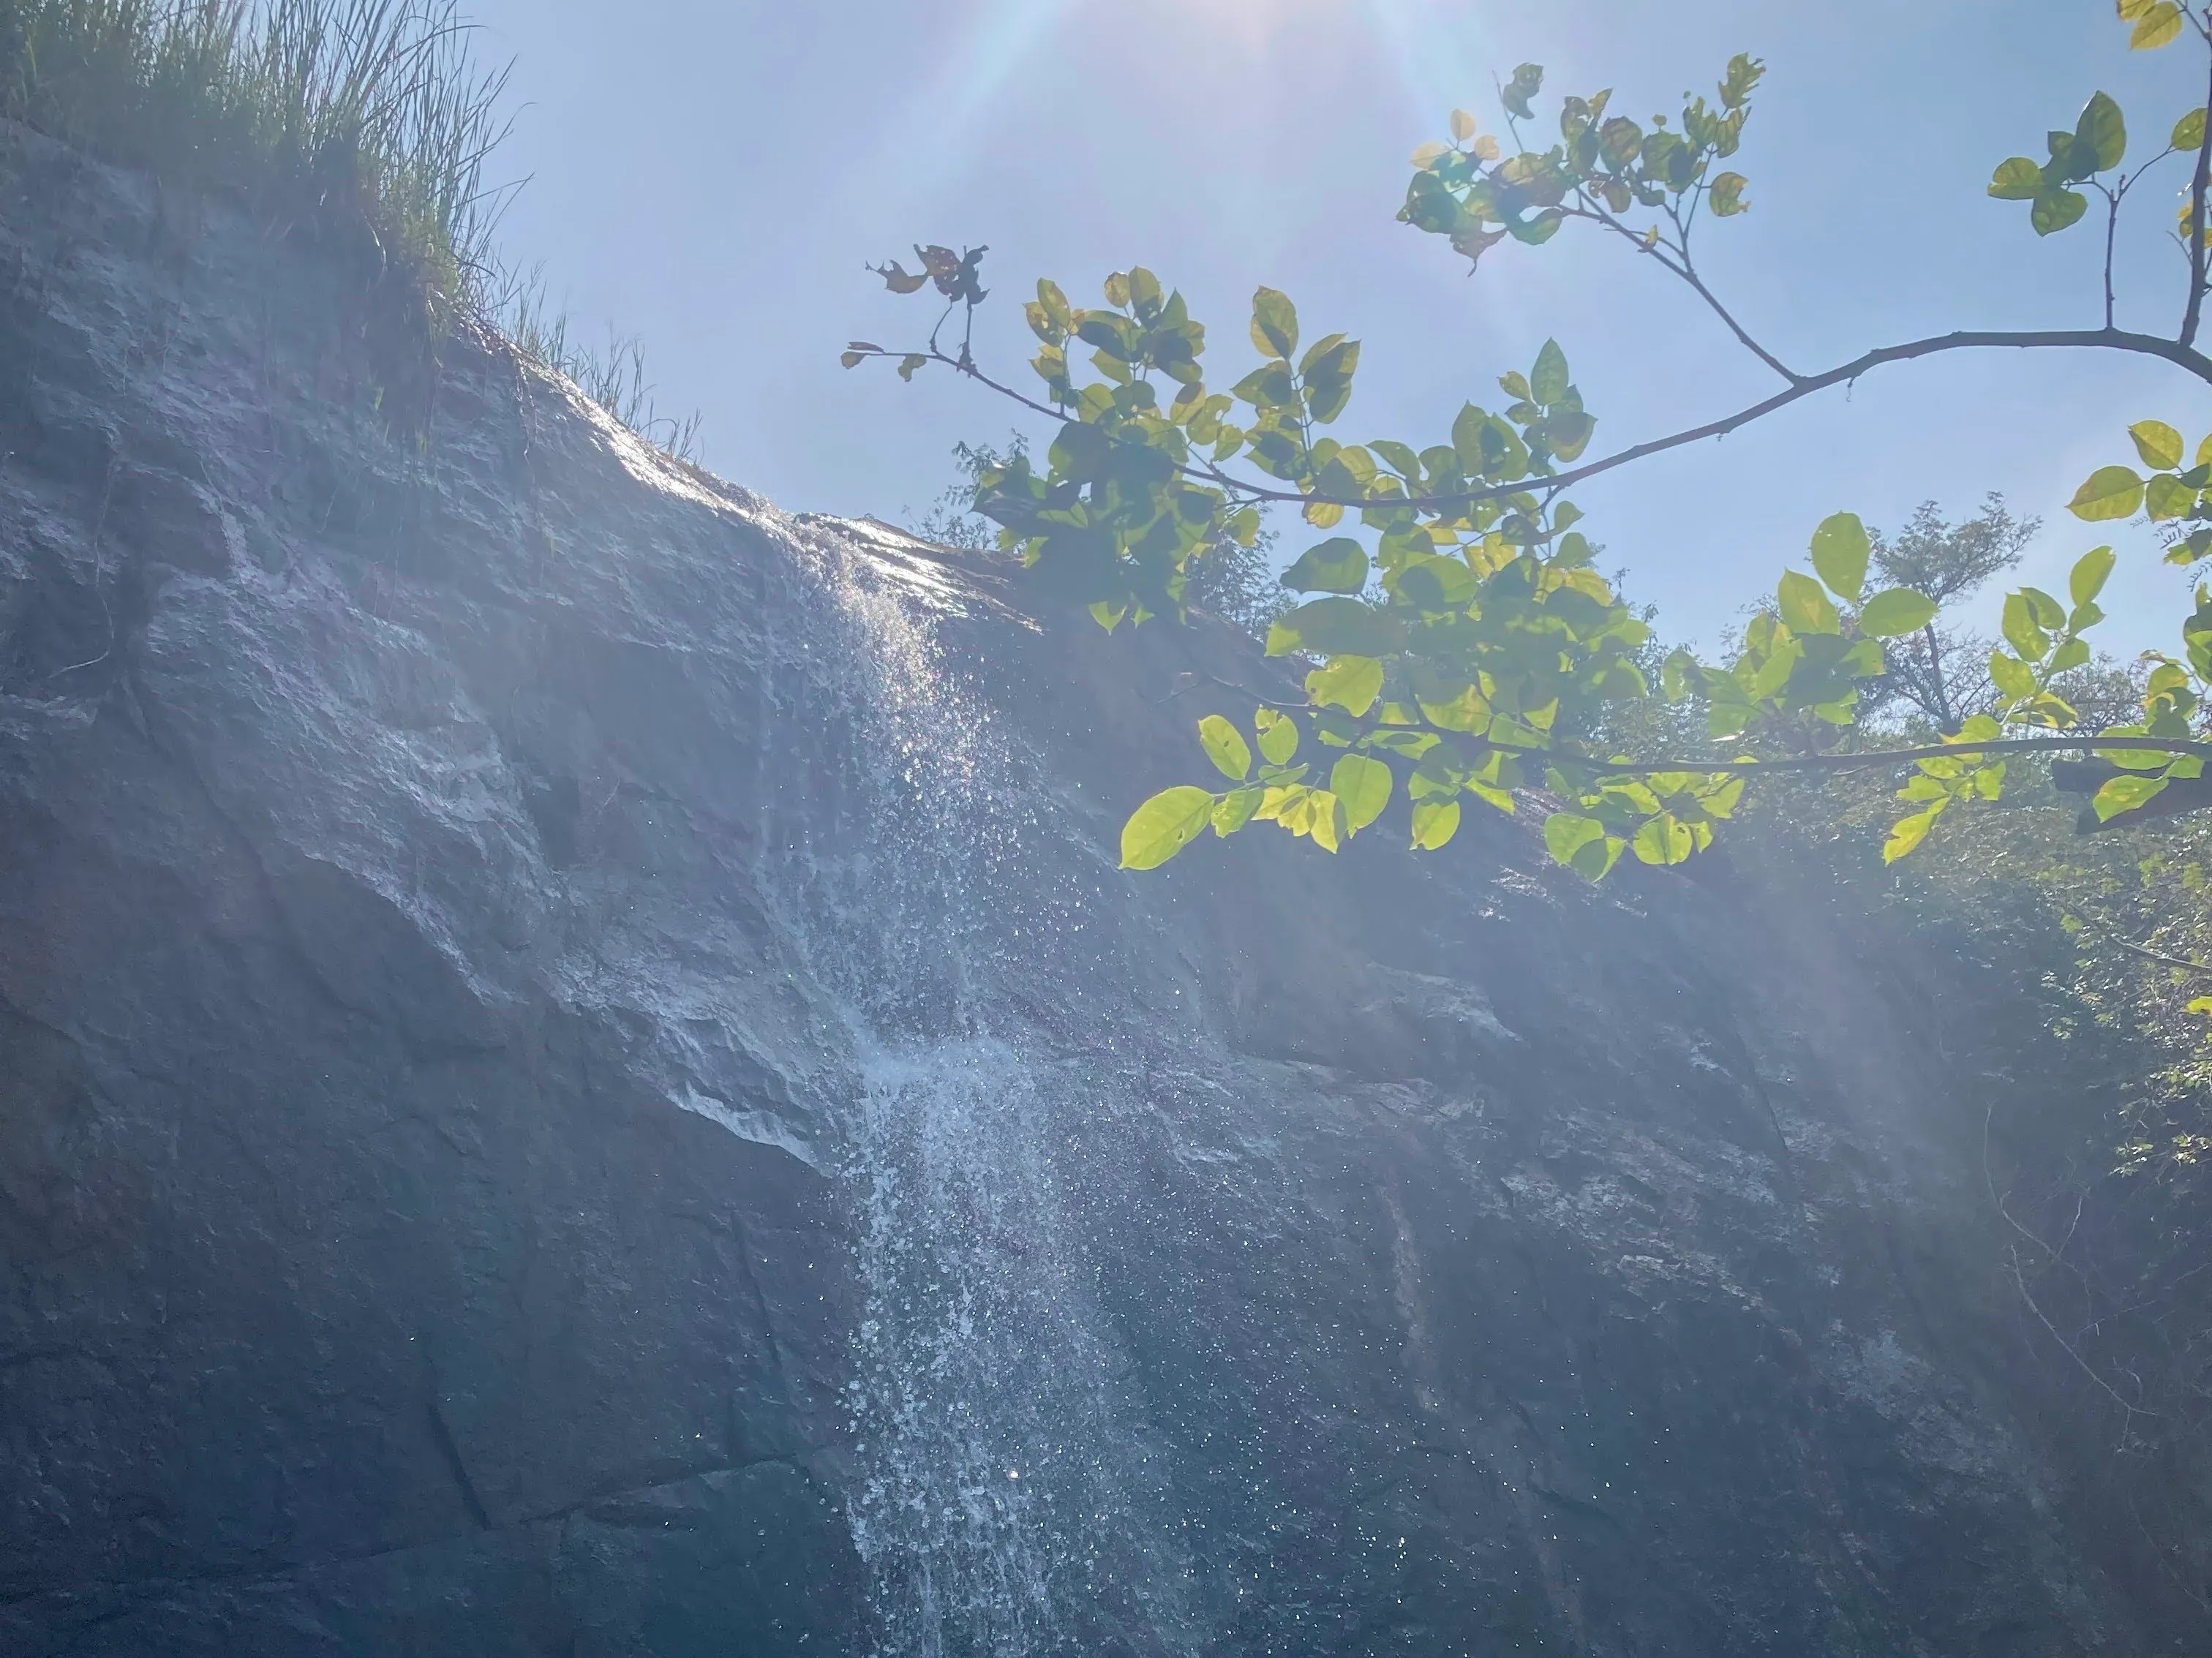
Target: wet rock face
[(525, 1128)]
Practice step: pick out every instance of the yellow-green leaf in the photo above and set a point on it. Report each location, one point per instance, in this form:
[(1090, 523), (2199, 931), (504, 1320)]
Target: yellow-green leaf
[(1224, 746), (1163, 826), (1566, 833), (1350, 683), (2166, 498), (1805, 607), (1909, 832), (2126, 793), (2189, 132), (2109, 492), (1274, 323), (1898, 610), (1841, 549), (2159, 444), (2159, 26), (2016, 180), (1435, 822), (1338, 565), (2055, 209), (2089, 574), (1364, 785), (1234, 810), (1279, 736), (1663, 840)]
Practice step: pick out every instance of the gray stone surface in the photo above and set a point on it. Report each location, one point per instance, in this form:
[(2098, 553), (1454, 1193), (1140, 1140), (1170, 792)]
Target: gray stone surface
[(429, 1120)]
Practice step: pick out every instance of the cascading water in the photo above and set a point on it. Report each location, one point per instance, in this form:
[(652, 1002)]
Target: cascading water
[(1007, 1506)]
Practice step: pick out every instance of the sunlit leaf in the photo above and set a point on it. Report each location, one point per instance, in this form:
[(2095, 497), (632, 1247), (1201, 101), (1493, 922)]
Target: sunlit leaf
[(2126, 793), (2160, 25), (2159, 444), (2055, 209), (1840, 552), (2017, 180), (2109, 492), (1163, 826), (1339, 565), (1909, 832), (1274, 323), (1364, 785), (1224, 746), (1805, 607), (1435, 822), (1899, 610), (1350, 683)]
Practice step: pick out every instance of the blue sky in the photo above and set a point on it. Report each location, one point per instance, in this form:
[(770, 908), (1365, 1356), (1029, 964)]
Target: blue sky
[(713, 176)]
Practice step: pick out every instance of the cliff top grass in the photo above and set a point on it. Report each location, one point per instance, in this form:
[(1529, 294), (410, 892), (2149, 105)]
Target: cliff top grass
[(349, 115), (371, 114)]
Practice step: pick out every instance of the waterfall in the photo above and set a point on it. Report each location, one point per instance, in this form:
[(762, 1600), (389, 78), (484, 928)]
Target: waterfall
[(1007, 1505)]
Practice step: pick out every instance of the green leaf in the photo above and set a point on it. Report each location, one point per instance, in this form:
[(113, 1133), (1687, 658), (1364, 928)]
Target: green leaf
[(1566, 833), (2159, 444), (1547, 382), (1364, 785), (1435, 822), (1805, 607), (1350, 683), (2055, 209), (1279, 736), (1726, 196), (2016, 180), (1899, 610), (1840, 552), (2109, 492), (2089, 574), (2166, 498), (2126, 793), (2021, 631), (1663, 840), (1274, 323), (1909, 832), (1333, 627), (1235, 809), (2160, 25), (1338, 565), (2189, 132), (2103, 131), (1163, 826), (1224, 746), (2012, 676)]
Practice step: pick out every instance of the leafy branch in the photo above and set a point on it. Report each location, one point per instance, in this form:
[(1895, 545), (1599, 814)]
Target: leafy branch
[(1450, 650)]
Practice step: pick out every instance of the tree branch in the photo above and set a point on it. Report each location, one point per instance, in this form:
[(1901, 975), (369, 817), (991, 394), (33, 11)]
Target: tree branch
[(1686, 270), (2108, 339), (1892, 757), (2198, 184)]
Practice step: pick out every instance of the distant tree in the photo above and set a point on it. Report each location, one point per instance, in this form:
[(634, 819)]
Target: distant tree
[(1942, 672)]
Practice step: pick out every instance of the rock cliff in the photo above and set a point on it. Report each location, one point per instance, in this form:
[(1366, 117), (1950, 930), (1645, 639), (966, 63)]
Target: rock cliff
[(576, 1078)]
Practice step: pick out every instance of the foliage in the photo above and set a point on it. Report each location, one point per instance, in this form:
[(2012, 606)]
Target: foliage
[(1457, 642), (1235, 583), (359, 113)]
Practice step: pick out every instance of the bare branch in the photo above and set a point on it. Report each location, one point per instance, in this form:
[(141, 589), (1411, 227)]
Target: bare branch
[(2199, 183)]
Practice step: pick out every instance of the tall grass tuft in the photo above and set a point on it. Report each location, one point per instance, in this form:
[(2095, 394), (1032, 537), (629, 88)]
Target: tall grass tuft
[(366, 113), (366, 121), (613, 377)]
